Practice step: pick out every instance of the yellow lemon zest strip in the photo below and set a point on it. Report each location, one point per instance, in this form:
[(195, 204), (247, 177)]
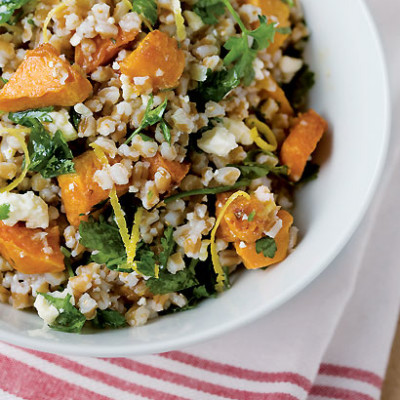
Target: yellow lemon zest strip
[(213, 249), (135, 236), (156, 271), (17, 133), (257, 126), (128, 4), (50, 15), (179, 20)]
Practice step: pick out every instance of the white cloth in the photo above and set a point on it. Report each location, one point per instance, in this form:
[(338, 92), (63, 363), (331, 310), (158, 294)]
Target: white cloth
[(331, 341)]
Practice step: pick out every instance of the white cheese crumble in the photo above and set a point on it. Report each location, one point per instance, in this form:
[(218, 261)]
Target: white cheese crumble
[(46, 311), (239, 130), (217, 141), (26, 207)]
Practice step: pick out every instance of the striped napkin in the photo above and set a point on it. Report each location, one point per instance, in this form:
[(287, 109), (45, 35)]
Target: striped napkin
[(332, 341)]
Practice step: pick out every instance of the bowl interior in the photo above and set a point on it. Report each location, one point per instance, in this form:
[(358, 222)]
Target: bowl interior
[(351, 93)]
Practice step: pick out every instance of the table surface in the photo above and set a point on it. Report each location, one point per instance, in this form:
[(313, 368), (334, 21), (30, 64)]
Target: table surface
[(385, 13)]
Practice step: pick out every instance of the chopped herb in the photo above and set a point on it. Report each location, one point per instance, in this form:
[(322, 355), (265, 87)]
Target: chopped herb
[(217, 85), (4, 80), (105, 239), (50, 156), (206, 191), (4, 211), (147, 9), (145, 137), (42, 114), (251, 216), (7, 9), (109, 319), (150, 194), (209, 10), (67, 261), (168, 245), (74, 118), (297, 90), (152, 117), (267, 246), (167, 282), (310, 173), (70, 319), (31, 22), (241, 54), (146, 263), (253, 170), (284, 30), (290, 3), (113, 41)]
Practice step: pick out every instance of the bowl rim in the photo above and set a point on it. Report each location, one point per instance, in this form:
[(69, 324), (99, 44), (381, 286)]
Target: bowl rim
[(124, 349)]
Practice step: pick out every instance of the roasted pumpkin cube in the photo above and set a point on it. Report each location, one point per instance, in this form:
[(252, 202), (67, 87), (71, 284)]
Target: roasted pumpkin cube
[(253, 260), (44, 79), (301, 142), (157, 60), (270, 89), (31, 251), (79, 192), (176, 169), (106, 50), (245, 219)]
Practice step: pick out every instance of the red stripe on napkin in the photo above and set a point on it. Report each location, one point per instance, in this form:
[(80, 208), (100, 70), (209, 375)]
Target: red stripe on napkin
[(25, 381), (237, 372)]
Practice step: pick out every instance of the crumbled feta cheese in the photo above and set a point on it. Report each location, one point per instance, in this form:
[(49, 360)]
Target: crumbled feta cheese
[(239, 129), (46, 311), (263, 194), (61, 122), (26, 207), (217, 141)]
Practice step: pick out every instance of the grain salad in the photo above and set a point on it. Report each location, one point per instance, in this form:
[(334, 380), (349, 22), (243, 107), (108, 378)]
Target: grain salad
[(149, 148)]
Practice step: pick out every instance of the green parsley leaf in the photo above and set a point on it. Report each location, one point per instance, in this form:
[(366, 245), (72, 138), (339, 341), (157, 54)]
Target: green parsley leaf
[(147, 9), (4, 80), (31, 22), (109, 319), (42, 114), (74, 118), (50, 156), (297, 90), (103, 238), (145, 260), (166, 130), (67, 261), (310, 173), (8, 7), (267, 246), (167, 282), (168, 245), (4, 211), (217, 85), (209, 10), (151, 117), (264, 35), (290, 3), (70, 318), (251, 216)]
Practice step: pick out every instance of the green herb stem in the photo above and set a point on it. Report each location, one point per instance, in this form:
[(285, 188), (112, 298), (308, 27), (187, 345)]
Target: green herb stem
[(205, 191)]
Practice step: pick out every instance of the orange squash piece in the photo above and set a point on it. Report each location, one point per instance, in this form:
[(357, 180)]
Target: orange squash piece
[(31, 251), (79, 191), (158, 58), (253, 260), (176, 169), (44, 79), (106, 50), (274, 10), (235, 224), (301, 142), (270, 89)]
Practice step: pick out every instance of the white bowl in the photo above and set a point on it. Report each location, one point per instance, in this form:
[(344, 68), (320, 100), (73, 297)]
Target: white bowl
[(352, 93)]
